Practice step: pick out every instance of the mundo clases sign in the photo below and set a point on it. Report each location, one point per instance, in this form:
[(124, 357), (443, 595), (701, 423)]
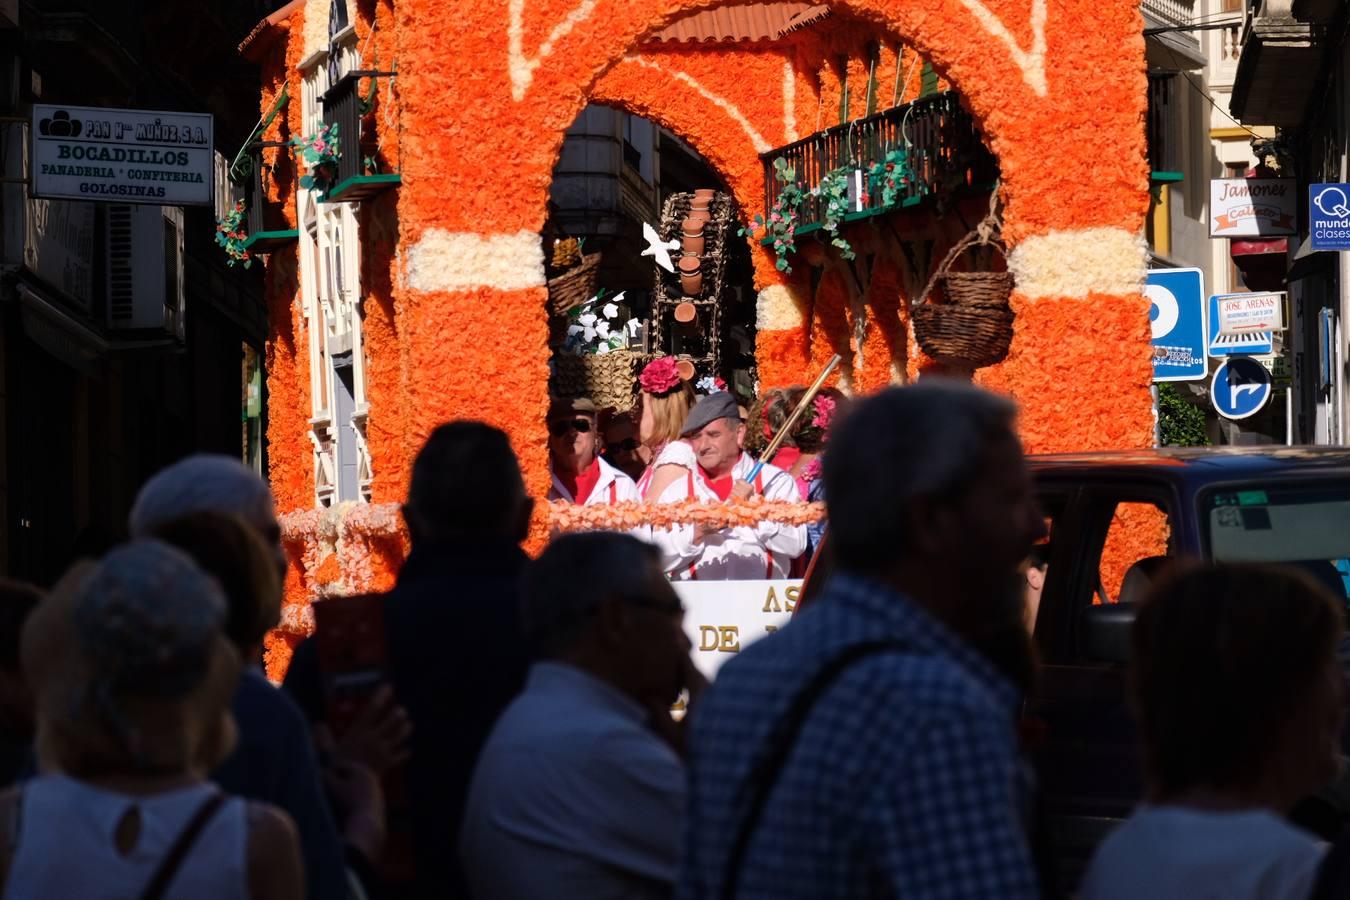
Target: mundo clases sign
[(1329, 216), (1252, 207), (122, 155)]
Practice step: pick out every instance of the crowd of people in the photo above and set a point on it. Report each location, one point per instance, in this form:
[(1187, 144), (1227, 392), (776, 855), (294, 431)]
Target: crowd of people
[(679, 447), (498, 727)]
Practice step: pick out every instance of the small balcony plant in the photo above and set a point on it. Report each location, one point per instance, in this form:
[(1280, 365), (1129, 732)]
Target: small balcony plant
[(230, 235), (320, 152), (781, 224), (892, 174), (834, 189)]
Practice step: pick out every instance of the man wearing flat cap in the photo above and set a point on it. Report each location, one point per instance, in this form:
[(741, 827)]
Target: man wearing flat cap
[(580, 476), (700, 552)]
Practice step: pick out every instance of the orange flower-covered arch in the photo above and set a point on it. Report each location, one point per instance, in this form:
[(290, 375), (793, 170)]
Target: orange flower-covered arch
[(484, 92)]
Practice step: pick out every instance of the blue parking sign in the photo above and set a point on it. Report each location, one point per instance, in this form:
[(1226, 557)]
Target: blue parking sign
[(1241, 387), (1329, 216), (1177, 315)]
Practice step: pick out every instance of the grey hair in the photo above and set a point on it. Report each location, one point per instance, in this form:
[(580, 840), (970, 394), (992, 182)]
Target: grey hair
[(145, 618), (205, 482), (926, 439), (573, 576)]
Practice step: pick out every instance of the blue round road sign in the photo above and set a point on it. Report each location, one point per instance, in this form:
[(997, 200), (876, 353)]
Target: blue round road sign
[(1240, 388)]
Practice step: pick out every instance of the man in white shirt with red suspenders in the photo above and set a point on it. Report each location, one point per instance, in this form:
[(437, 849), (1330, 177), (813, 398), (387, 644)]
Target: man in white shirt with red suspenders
[(580, 476), (698, 552)]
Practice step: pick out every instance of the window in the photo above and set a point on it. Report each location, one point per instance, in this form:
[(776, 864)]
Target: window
[(1138, 534), (1307, 527)]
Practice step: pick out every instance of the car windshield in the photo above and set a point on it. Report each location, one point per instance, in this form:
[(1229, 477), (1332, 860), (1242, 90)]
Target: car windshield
[(1305, 526)]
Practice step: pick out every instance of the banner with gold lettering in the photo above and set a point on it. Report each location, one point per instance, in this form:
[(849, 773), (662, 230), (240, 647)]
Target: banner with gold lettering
[(722, 617)]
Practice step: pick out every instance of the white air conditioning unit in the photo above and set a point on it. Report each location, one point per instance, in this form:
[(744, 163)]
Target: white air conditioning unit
[(145, 269)]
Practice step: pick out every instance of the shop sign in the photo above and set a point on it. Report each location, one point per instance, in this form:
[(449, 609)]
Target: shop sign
[(722, 617), (1252, 207), (1247, 343), (1246, 313), (1329, 216), (122, 155), (59, 247), (1277, 364)]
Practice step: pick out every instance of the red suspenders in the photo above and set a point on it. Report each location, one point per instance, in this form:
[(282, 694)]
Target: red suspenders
[(759, 486)]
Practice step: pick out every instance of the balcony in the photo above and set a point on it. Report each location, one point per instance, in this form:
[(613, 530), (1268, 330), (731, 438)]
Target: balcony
[(344, 107), (1182, 47), (946, 151), (267, 225), (1282, 46), (1163, 127)]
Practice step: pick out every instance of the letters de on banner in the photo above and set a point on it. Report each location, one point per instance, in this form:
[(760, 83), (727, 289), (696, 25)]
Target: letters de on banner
[(722, 617), (1252, 207), (1250, 313), (122, 155)]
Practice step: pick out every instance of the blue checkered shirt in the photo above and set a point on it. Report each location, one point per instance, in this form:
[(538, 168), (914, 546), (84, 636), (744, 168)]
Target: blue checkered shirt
[(905, 779)]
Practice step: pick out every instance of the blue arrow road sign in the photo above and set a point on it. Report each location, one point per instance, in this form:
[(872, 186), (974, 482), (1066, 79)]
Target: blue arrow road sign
[(1329, 216), (1177, 314), (1254, 344), (1241, 387)]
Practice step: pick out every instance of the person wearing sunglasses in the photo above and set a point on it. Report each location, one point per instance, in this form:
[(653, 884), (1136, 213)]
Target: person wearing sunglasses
[(623, 450), (580, 476)]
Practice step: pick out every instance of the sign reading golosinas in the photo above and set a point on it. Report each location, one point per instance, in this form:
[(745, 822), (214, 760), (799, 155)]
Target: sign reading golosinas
[(122, 155)]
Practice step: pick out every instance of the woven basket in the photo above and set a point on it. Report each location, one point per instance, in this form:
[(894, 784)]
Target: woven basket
[(575, 286), (973, 328), (609, 380)]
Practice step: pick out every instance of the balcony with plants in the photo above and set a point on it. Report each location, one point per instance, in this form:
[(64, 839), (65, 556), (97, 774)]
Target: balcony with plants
[(921, 153), (344, 156)]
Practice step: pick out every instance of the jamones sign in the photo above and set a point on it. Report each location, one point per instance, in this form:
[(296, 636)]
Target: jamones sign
[(1252, 207)]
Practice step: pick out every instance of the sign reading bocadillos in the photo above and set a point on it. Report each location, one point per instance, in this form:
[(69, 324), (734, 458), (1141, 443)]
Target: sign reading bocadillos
[(1252, 207), (122, 155)]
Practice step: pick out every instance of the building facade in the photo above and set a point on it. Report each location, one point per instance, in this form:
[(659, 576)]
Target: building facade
[(125, 338)]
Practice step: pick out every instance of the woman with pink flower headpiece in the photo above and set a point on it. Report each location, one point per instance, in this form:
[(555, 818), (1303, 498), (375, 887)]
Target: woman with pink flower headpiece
[(802, 454), (665, 401)]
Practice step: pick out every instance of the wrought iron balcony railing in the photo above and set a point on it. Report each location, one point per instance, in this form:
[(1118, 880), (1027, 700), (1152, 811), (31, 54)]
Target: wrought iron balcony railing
[(267, 225), (344, 107), (1164, 123), (945, 152)]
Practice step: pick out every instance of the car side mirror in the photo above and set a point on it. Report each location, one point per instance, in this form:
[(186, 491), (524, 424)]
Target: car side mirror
[(1104, 632)]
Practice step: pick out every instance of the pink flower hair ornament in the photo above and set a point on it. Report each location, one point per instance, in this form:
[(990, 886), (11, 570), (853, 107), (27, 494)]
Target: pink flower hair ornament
[(660, 376), (824, 409)]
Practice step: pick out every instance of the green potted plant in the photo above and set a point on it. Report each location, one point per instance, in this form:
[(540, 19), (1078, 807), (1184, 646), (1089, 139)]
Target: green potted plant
[(320, 152), (891, 175), (781, 224), (834, 189), (230, 235)]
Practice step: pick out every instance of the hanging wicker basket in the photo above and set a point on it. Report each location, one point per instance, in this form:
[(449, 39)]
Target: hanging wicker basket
[(609, 380), (973, 327), (575, 286)]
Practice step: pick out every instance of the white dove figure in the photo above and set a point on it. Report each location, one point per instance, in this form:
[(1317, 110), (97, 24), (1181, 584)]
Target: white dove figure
[(658, 249)]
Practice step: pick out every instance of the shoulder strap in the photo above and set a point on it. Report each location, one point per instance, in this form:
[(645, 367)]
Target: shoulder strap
[(764, 774), (173, 860)]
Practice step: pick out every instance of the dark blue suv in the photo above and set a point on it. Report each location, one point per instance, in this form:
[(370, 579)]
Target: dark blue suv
[(1287, 505)]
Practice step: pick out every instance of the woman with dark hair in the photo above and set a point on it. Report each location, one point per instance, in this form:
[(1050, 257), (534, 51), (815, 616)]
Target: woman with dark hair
[(803, 453), (1239, 699)]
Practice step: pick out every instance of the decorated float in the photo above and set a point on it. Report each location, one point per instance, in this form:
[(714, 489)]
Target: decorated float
[(919, 188)]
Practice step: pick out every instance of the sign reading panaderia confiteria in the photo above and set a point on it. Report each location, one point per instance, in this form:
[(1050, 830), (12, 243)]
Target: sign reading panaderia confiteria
[(122, 155)]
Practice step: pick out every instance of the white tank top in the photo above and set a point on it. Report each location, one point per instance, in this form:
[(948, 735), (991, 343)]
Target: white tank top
[(66, 845)]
